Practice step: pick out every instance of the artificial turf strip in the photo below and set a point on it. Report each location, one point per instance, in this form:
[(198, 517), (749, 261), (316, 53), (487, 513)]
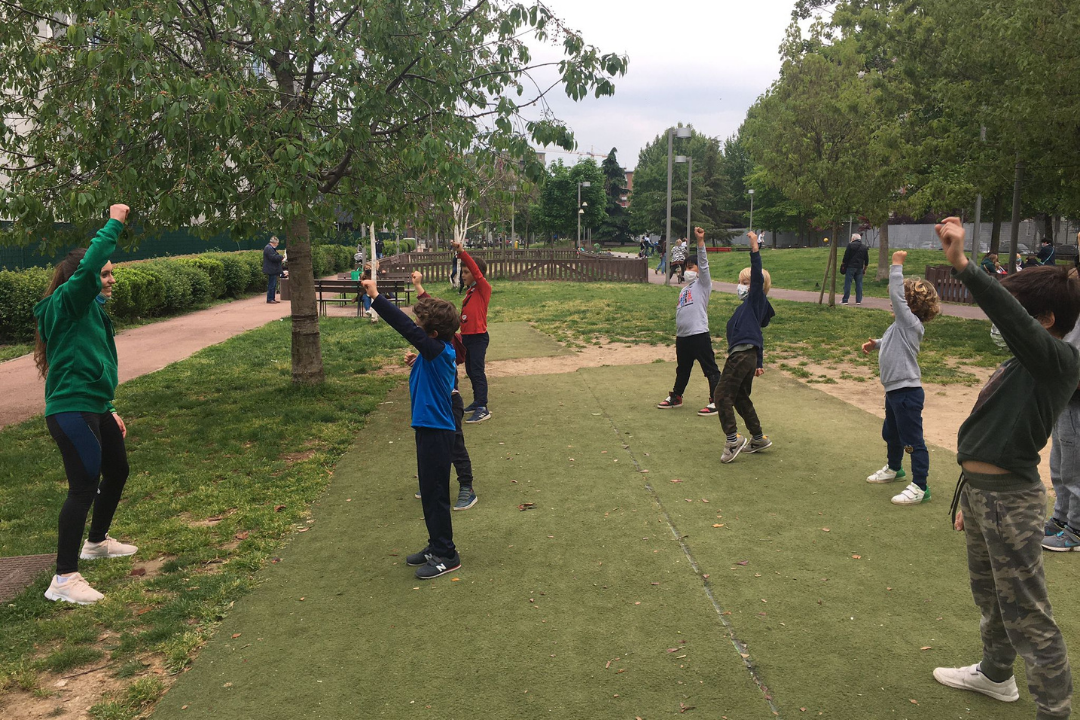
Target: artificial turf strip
[(583, 607), (846, 602), (512, 340)]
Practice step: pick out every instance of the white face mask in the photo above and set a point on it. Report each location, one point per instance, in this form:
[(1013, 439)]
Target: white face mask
[(690, 275), (995, 335), (742, 291)]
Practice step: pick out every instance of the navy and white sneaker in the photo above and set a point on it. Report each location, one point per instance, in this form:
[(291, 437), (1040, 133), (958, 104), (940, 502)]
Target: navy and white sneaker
[(479, 415), (471, 407), (466, 498), (419, 558), (437, 566)]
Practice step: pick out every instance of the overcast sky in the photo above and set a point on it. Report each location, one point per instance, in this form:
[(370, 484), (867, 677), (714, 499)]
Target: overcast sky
[(701, 62)]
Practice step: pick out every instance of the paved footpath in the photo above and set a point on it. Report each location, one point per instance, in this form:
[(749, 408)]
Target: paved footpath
[(142, 350), (971, 312)]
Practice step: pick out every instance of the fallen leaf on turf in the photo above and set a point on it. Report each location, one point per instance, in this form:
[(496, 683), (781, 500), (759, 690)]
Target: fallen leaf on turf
[(455, 580), (675, 480), (705, 576), (275, 561), (802, 709), (684, 708), (235, 635), (671, 650), (825, 530), (926, 647), (301, 599), (279, 508), (138, 572), (551, 537), (607, 664), (856, 557), (913, 701), (638, 602), (718, 525), (241, 535), (764, 600), (230, 685), (726, 612), (689, 500), (303, 529), (743, 562), (704, 500), (617, 672), (526, 506), (656, 583)]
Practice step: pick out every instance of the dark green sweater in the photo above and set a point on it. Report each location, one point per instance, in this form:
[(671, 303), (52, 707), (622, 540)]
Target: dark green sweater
[(78, 335), (1016, 411)]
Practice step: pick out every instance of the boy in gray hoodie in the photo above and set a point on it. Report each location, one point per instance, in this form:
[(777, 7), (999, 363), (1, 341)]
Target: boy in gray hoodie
[(914, 302), (692, 338)]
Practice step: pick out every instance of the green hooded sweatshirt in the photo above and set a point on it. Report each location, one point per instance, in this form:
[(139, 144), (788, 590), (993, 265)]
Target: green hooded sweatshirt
[(78, 335)]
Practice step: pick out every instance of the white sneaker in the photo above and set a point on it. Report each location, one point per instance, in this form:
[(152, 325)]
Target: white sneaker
[(110, 548), (74, 589), (732, 449), (970, 678), (885, 475), (911, 495)]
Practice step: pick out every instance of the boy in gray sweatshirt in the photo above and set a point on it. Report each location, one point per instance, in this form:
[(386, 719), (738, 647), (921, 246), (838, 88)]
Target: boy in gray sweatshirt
[(914, 302), (692, 338)]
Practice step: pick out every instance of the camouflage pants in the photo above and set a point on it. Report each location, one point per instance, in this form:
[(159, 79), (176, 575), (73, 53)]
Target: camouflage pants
[(1004, 532)]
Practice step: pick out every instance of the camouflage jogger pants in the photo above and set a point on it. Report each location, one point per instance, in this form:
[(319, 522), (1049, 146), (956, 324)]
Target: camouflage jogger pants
[(1004, 533)]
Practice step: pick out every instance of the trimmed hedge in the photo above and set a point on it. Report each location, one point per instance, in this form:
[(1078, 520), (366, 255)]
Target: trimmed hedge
[(152, 288)]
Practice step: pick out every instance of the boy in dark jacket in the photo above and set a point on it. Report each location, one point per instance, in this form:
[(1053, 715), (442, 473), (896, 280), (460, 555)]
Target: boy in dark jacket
[(1001, 497), (431, 384), (745, 359)]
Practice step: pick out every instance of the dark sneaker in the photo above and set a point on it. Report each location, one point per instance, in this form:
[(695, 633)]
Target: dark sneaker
[(437, 566), (1053, 527), (471, 407), (466, 498), (708, 411), (1065, 541), (672, 401), (479, 415), (419, 558), (756, 445)]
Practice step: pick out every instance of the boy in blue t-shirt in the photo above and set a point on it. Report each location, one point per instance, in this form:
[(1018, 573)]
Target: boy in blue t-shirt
[(431, 383)]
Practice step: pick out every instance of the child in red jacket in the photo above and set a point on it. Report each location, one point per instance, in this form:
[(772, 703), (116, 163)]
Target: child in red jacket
[(474, 330)]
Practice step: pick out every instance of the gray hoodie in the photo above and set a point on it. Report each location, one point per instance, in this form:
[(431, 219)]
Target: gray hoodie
[(898, 356), (692, 313)]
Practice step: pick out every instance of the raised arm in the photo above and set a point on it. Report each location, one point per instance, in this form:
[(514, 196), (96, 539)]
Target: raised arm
[(897, 295), (427, 346), (704, 278), (83, 286)]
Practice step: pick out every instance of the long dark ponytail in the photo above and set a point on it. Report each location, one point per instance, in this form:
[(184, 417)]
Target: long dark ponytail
[(64, 271)]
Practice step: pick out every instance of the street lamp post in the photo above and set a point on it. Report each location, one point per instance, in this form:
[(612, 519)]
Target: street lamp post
[(581, 208), (682, 132), (751, 191), (689, 185), (513, 209), (978, 211)]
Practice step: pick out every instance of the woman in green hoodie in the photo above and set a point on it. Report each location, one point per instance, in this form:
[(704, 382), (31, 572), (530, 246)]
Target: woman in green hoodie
[(76, 355)]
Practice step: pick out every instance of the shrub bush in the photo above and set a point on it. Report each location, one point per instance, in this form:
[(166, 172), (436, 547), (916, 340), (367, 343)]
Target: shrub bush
[(20, 291), (197, 279), (212, 267), (236, 273)]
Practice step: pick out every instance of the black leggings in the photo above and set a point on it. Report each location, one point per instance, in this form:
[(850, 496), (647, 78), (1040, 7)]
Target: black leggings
[(460, 454), (92, 446)]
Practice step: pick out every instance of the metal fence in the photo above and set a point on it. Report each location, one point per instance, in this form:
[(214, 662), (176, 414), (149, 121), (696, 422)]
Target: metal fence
[(528, 265)]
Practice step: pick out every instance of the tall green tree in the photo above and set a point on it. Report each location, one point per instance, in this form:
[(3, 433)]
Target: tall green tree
[(557, 210), (247, 114), (616, 227)]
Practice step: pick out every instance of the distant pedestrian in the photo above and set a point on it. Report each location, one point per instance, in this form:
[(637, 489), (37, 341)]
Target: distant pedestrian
[(272, 260), (661, 267), (853, 266), (678, 259), (1047, 255)]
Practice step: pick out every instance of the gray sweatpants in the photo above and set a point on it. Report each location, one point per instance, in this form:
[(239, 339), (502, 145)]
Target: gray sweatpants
[(1004, 533), (1065, 465)]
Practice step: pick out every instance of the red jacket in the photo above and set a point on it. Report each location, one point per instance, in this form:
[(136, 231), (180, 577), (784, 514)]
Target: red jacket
[(474, 307)]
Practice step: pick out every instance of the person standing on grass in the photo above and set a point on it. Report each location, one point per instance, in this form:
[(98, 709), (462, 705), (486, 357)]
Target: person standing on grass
[(1047, 255), (460, 456), (474, 334), (75, 354), (856, 260), (1001, 497), (914, 302), (745, 359), (678, 259), (693, 342), (272, 260), (431, 386), (1062, 530)]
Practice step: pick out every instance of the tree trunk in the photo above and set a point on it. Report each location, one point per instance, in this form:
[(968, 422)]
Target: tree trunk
[(307, 363), (884, 262), (1048, 227), (832, 261), (995, 231)]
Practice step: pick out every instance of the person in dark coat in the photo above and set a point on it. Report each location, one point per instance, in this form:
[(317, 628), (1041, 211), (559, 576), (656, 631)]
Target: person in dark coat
[(1047, 254), (856, 259), (272, 260)]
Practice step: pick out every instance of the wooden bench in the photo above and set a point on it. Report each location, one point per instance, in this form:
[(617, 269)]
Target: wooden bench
[(348, 291)]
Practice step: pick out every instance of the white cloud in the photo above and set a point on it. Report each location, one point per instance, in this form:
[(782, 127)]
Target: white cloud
[(702, 62)]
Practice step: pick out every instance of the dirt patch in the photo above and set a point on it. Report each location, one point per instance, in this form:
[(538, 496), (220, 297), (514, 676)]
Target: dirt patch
[(150, 568), (72, 694), (592, 356), (205, 522)]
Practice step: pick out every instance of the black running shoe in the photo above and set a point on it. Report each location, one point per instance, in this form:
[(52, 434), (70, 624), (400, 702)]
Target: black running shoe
[(437, 566), (419, 558)]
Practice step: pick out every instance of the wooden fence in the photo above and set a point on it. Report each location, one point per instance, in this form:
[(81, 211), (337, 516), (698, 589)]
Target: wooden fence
[(949, 289), (568, 265)]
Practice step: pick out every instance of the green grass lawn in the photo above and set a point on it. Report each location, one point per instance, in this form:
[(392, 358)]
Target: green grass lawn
[(14, 350)]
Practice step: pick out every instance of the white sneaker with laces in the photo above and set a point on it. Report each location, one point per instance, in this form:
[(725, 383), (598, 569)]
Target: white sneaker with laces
[(911, 495), (971, 678), (884, 475), (110, 548), (74, 589)]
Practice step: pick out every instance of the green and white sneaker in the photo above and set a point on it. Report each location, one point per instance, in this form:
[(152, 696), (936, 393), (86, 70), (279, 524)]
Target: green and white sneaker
[(886, 475), (912, 495)]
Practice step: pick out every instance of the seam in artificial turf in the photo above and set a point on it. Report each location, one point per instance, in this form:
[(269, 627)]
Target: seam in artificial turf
[(740, 647)]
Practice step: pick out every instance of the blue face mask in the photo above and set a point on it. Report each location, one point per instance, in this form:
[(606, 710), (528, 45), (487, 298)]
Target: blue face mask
[(101, 299)]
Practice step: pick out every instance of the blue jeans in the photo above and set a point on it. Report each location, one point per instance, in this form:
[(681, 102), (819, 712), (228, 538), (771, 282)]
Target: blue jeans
[(662, 267), (903, 431), (1065, 465), (271, 287), (857, 275)]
